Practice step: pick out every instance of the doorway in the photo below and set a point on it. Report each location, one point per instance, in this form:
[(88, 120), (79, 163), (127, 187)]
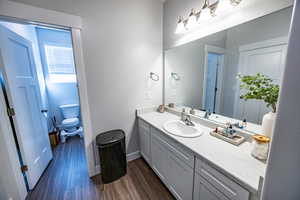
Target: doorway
[(213, 76), (38, 69)]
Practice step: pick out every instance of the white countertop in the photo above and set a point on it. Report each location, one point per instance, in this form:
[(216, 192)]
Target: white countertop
[(234, 160)]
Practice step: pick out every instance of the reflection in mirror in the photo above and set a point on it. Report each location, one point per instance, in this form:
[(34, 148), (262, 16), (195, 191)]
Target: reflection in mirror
[(203, 74)]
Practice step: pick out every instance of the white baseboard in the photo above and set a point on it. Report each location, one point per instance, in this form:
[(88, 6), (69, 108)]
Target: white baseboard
[(130, 157), (97, 170), (133, 156)]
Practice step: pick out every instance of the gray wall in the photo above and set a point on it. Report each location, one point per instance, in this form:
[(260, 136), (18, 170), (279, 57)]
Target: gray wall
[(122, 44)]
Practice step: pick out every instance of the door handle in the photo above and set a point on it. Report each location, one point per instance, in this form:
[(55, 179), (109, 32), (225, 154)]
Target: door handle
[(44, 111)]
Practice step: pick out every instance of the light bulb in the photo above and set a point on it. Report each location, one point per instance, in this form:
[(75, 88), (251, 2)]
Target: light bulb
[(225, 6), (180, 26), (193, 20), (205, 14)]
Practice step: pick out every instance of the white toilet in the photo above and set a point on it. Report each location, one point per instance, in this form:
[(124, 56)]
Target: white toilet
[(71, 123)]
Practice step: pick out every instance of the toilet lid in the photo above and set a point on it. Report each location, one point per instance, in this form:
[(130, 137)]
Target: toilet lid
[(70, 121)]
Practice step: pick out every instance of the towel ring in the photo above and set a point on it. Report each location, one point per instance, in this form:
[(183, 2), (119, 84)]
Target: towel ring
[(175, 76), (154, 76)]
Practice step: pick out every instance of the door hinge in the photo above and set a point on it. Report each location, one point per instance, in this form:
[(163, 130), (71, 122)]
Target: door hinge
[(11, 112), (24, 168)]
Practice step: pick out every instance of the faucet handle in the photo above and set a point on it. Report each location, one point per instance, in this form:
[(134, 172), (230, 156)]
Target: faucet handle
[(188, 117), (188, 120)]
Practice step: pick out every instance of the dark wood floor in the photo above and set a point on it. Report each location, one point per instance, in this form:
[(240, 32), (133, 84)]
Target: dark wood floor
[(67, 178)]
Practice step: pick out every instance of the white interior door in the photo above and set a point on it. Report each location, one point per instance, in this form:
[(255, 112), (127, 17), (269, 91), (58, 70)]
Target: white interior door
[(265, 60), (20, 75)]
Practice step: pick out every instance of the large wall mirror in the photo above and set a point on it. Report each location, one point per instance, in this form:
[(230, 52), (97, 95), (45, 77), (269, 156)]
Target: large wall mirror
[(203, 74)]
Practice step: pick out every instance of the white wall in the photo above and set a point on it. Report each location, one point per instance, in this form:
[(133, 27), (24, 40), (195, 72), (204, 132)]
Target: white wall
[(247, 11), (122, 44), (282, 179)]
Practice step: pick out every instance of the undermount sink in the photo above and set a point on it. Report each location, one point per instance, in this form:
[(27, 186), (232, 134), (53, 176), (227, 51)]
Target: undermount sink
[(179, 128)]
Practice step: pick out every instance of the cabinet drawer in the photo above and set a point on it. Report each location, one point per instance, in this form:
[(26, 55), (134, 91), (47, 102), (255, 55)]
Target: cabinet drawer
[(143, 125), (222, 183), (177, 149)]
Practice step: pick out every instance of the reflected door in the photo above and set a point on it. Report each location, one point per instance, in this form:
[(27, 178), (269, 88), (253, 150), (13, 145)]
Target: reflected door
[(265, 60), (211, 81)]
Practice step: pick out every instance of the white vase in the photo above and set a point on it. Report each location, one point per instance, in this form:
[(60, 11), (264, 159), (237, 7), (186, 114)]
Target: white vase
[(268, 124)]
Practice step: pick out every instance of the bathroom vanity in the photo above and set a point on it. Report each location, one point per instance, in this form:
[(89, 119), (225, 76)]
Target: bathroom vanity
[(199, 168)]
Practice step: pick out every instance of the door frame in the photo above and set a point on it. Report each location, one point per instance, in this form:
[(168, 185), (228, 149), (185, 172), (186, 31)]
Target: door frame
[(22, 13), (221, 51), (250, 47)]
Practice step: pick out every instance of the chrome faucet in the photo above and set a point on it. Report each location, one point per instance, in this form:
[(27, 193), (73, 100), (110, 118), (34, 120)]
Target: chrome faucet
[(183, 115), (207, 114), (188, 121)]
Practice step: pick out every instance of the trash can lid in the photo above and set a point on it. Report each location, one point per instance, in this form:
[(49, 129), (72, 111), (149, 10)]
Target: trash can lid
[(110, 137)]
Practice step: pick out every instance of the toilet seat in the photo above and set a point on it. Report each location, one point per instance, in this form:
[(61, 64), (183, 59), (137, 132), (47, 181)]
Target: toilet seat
[(70, 122)]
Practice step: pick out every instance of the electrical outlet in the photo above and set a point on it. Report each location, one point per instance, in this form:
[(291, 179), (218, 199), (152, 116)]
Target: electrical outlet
[(148, 95)]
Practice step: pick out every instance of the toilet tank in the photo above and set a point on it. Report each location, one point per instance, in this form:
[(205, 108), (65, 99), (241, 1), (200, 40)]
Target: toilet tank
[(70, 110)]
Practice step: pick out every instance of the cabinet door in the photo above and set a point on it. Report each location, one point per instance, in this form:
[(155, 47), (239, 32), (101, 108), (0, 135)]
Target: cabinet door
[(180, 178), (205, 191), (221, 182), (159, 155), (145, 135)]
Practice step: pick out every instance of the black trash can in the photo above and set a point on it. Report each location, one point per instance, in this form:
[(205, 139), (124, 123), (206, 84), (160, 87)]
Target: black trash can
[(111, 145)]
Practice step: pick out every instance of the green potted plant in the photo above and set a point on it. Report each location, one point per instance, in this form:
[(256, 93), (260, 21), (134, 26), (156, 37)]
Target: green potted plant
[(261, 87)]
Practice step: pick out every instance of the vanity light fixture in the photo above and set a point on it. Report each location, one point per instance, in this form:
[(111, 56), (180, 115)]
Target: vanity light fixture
[(181, 25), (226, 6), (206, 12), (193, 19)]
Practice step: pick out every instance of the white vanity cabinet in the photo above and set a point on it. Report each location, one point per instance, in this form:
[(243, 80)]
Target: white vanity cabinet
[(159, 155), (180, 178), (173, 164), (145, 140), (185, 173)]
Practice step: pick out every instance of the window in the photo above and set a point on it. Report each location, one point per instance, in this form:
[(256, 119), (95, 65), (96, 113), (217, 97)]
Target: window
[(60, 63)]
